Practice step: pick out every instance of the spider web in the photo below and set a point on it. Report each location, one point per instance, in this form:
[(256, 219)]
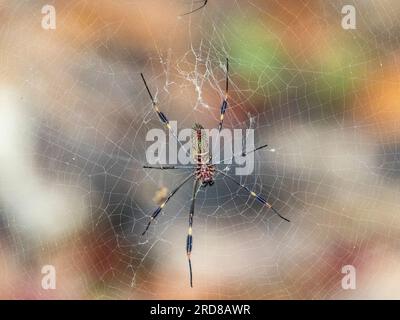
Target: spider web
[(323, 98)]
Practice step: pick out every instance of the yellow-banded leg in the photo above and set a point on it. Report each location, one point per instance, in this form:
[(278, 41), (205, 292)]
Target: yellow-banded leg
[(255, 195), (163, 118), (158, 210), (161, 115), (189, 238)]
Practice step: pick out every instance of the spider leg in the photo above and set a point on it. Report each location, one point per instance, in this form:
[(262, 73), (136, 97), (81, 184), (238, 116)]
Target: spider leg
[(257, 196), (189, 239), (163, 118), (160, 167), (194, 10), (158, 210), (224, 104), (243, 154)]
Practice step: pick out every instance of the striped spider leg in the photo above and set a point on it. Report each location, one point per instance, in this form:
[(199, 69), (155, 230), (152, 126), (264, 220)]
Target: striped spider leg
[(189, 239), (163, 118), (224, 104), (171, 194), (259, 197)]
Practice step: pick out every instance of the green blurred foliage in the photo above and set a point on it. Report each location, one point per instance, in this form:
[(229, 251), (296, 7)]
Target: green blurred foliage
[(327, 74), (257, 53)]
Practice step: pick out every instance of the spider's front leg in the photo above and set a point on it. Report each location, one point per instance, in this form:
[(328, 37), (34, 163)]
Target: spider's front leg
[(163, 118), (224, 104)]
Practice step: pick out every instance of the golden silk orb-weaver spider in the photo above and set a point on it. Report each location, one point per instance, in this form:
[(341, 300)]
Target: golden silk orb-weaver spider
[(204, 170)]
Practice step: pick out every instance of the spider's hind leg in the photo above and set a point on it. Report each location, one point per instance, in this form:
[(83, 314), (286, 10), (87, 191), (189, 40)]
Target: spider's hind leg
[(158, 210), (189, 238)]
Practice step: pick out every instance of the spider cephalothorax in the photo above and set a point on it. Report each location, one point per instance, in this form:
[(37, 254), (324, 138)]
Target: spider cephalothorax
[(203, 170)]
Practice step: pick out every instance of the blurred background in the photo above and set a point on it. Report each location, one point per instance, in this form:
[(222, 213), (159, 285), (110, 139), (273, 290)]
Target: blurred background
[(73, 119)]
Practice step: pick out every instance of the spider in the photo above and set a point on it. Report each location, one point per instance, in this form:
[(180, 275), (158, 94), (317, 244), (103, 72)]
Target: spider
[(204, 170), (204, 3)]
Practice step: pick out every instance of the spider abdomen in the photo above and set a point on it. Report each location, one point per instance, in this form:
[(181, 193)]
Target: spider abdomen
[(205, 173)]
